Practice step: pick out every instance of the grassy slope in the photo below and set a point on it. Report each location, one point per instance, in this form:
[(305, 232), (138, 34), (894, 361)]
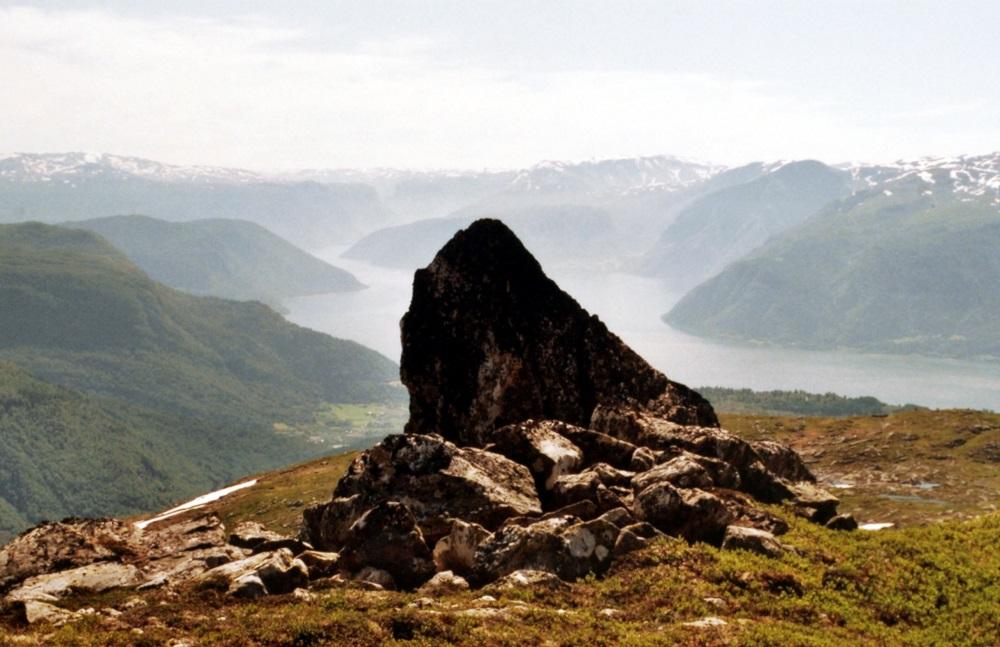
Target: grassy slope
[(887, 459), (909, 272), (205, 384), (235, 259), (925, 584)]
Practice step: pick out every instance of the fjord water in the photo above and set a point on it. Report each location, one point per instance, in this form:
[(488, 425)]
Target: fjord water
[(631, 307)]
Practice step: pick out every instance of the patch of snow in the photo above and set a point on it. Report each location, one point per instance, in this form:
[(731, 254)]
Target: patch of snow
[(204, 499), (882, 525), (842, 485)]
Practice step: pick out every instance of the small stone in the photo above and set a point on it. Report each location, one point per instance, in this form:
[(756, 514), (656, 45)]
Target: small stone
[(709, 622), (753, 540), (443, 583), (842, 522), (303, 595), (248, 587)]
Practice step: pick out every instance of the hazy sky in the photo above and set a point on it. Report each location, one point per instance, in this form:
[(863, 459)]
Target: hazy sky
[(502, 84)]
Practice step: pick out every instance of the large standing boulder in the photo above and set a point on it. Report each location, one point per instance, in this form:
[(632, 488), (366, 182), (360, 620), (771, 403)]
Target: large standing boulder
[(490, 340)]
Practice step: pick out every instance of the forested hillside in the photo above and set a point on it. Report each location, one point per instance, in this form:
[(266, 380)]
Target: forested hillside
[(212, 379)]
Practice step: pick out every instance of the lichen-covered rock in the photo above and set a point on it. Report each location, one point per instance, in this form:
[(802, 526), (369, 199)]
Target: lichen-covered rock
[(753, 540), (598, 447), (456, 551), (327, 525), (37, 611), (320, 564), (689, 470), (376, 577), (782, 460), (248, 587), (564, 546), (489, 340), (51, 547), (527, 579), (92, 578), (575, 489), (646, 429), (279, 571), (812, 502), (539, 447), (693, 514), (443, 583), (634, 537), (387, 537), (436, 479), (250, 534)]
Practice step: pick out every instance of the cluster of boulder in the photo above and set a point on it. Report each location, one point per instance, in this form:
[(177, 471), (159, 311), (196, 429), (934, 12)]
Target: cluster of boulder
[(538, 441), (56, 560), (539, 448)]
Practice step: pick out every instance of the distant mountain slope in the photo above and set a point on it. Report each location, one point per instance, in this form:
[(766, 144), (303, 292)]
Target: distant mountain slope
[(211, 378), (909, 265), (234, 259), (558, 234), (77, 186), (751, 204)]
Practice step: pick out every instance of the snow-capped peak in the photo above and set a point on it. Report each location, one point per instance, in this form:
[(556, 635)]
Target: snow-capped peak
[(47, 167), (662, 172)]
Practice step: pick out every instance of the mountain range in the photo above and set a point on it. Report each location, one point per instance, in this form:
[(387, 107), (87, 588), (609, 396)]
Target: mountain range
[(80, 186), (694, 227), (907, 264)]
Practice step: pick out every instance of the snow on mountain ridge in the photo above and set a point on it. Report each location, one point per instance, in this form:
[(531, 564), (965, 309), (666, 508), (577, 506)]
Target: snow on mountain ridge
[(44, 167), (623, 175)]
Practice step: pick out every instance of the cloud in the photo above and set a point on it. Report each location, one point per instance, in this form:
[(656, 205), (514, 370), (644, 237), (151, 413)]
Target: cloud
[(246, 92)]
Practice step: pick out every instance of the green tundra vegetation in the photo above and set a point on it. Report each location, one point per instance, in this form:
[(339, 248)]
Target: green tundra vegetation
[(207, 377)]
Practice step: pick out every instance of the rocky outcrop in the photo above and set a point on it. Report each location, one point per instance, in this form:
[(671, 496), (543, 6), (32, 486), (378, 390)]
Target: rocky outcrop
[(489, 340), (52, 547), (539, 442), (436, 479), (55, 560)]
